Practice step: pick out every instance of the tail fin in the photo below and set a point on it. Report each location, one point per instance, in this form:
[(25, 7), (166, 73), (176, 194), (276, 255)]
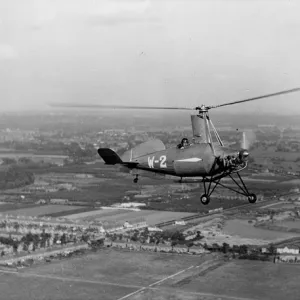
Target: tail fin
[(109, 156), (143, 149)]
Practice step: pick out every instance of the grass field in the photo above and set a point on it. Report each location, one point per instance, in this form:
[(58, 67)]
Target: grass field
[(65, 213), (245, 280), (121, 275), (40, 210), (105, 275), (99, 213), (4, 207), (283, 206), (289, 224), (150, 216), (241, 228)]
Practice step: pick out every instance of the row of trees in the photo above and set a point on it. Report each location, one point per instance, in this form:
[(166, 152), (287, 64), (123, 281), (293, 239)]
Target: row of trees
[(177, 238), (174, 237), (14, 177), (31, 242), (79, 154), (19, 226)]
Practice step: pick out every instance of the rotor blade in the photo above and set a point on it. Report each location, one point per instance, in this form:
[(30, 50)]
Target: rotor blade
[(257, 98), (75, 105)]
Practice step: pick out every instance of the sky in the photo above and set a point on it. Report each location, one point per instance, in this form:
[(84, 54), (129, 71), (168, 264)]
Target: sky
[(150, 52)]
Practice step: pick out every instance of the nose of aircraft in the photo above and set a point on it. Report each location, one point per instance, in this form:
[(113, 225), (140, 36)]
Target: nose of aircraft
[(243, 155), (231, 158)]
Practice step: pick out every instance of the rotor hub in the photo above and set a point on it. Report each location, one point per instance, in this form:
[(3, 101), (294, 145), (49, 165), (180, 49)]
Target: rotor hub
[(202, 108)]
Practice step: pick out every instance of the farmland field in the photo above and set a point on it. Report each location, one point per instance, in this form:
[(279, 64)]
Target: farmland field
[(111, 274), (150, 216), (244, 279), (74, 178), (39, 210), (289, 224), (100, 213), (5, 206), (241, 228), (34, 157), (68, 212), (284, 206)]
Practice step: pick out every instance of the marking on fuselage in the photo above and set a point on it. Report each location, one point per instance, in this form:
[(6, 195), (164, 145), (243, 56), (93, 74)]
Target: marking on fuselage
[(193, 159), (162, 160), (150, 162)]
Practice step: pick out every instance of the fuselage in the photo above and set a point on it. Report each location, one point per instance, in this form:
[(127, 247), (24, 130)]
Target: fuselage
[(192, 161)]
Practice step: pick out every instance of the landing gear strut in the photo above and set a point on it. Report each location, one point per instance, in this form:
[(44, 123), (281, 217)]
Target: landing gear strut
[(135, 180), (205, 198)]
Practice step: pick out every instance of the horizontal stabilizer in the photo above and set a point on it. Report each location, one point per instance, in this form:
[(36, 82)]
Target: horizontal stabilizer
[(109, 156), (130, 164)]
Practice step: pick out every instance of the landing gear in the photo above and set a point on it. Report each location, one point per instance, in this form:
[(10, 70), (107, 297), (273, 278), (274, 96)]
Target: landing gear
[(136, 179), (252, 198), (205, 199)]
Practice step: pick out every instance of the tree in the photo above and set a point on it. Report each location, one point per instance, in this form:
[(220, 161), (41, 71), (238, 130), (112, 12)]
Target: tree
[(8, 161), (235, 249), (225, 248), (190, 244), (63, 239), (25, 247), (134, 238), (25, 160), (199, 236), (177, 236), (272, 249), (243, 249)]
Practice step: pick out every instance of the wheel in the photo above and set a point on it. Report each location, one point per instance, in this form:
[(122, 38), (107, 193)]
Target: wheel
[(135, 180), (204, 199), (252, 198)]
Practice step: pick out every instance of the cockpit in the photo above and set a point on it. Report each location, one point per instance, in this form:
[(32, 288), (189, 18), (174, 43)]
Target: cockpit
[(183, 144)]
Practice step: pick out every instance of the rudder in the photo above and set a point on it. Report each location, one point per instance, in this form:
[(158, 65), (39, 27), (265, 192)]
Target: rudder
[(109, 156)]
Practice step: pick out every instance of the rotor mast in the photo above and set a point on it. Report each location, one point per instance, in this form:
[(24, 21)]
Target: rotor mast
[(202, 127)]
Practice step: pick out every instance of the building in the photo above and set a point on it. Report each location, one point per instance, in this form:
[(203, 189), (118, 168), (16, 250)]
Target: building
[(290, 249), (180, 223), (154, 229), (59, 201)]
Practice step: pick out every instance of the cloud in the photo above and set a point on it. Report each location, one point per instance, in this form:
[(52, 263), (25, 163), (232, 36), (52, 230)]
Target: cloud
[(120, 7), (118, 19), (116, 12), (7, 52), (95, 13)]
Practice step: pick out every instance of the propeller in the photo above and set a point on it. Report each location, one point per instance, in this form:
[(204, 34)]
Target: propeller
[(201, 108), (248, 138)]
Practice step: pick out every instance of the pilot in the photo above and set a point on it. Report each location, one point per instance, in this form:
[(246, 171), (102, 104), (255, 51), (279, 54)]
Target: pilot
[(184, 143)]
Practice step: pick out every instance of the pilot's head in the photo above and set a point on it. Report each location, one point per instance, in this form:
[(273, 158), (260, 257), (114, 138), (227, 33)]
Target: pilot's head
[(184, 142)]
